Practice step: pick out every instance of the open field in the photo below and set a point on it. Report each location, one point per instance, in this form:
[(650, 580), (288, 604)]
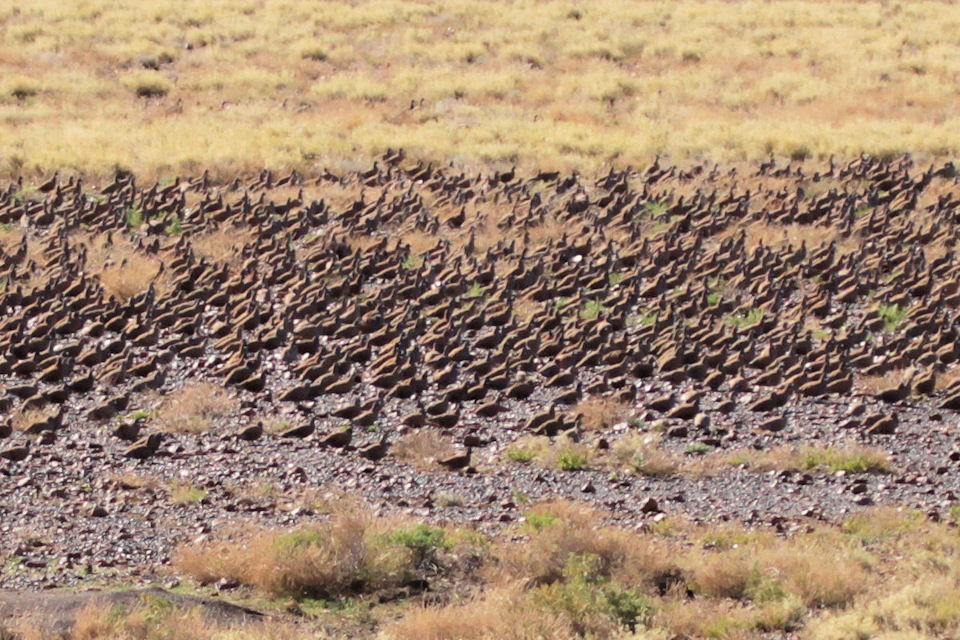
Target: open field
[(164, 87)]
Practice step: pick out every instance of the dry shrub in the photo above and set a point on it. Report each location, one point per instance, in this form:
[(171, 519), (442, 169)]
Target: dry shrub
[(423, 447), (155, 617), (851, 457), (194, 408), (704, 618), (132, 276), (599, 412), (641, 453), (221, 245), (562, 530), (342, 556), (820, 575), (926, 608), (501, 612)]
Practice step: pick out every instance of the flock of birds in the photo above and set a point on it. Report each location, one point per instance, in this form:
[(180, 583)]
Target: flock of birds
[(457, 300)]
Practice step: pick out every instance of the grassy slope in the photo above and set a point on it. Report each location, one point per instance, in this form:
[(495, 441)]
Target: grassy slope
[(551, 84)]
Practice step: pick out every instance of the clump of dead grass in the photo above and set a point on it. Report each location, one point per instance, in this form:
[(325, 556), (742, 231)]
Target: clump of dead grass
[(560, 453), (423, 448), (194, 408), (155, 617), (601, 412), (221, 245), (122, 270), (641, 453), (351, 553)]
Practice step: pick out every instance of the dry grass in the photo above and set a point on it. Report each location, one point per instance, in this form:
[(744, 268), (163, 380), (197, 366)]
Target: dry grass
[(600, 412), (533, 83), (850, 457), (354, 552), (121, 269), (423, 448), (221, 245), (560, 453), (776, 236), (641, 453), (183, 493), (565, 572), (194, 408), (158, 618)]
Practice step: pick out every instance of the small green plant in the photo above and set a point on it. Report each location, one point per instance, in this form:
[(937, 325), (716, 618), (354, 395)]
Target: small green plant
[(422, 539), (655, 208), (519, 497), (749, 319), (134, 217), (616, 278), (713, 298), (699, 448), (820, 334), (861, 211), (540, 521), (570, 460), (852, 461), (518, 454), (591, 310), (893, 316), (174, 227), (475, 290), (560, 303), (412, 262), (185, 493)]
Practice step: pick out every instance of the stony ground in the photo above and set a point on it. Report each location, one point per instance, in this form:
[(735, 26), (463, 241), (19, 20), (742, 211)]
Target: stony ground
[(766, 344)]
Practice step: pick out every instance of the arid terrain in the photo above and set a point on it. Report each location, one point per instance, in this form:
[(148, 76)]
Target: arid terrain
[(187, 364), (522, 320)]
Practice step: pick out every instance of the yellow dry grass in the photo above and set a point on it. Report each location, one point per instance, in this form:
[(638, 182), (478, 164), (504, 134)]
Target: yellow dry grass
[(233, 86), (122, 270), (423, 448), (222, 244), (194, 408), (600, 412)]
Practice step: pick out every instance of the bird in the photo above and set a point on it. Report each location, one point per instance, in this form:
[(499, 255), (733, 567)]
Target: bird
[(144, 447), (457, 461), (376, 451), (338, 439), (251, 432), (301, 431), (16, 454)]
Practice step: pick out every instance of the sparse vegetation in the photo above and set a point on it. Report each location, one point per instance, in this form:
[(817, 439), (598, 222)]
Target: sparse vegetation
[(193, 409), (893, 316), (748, 319)]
